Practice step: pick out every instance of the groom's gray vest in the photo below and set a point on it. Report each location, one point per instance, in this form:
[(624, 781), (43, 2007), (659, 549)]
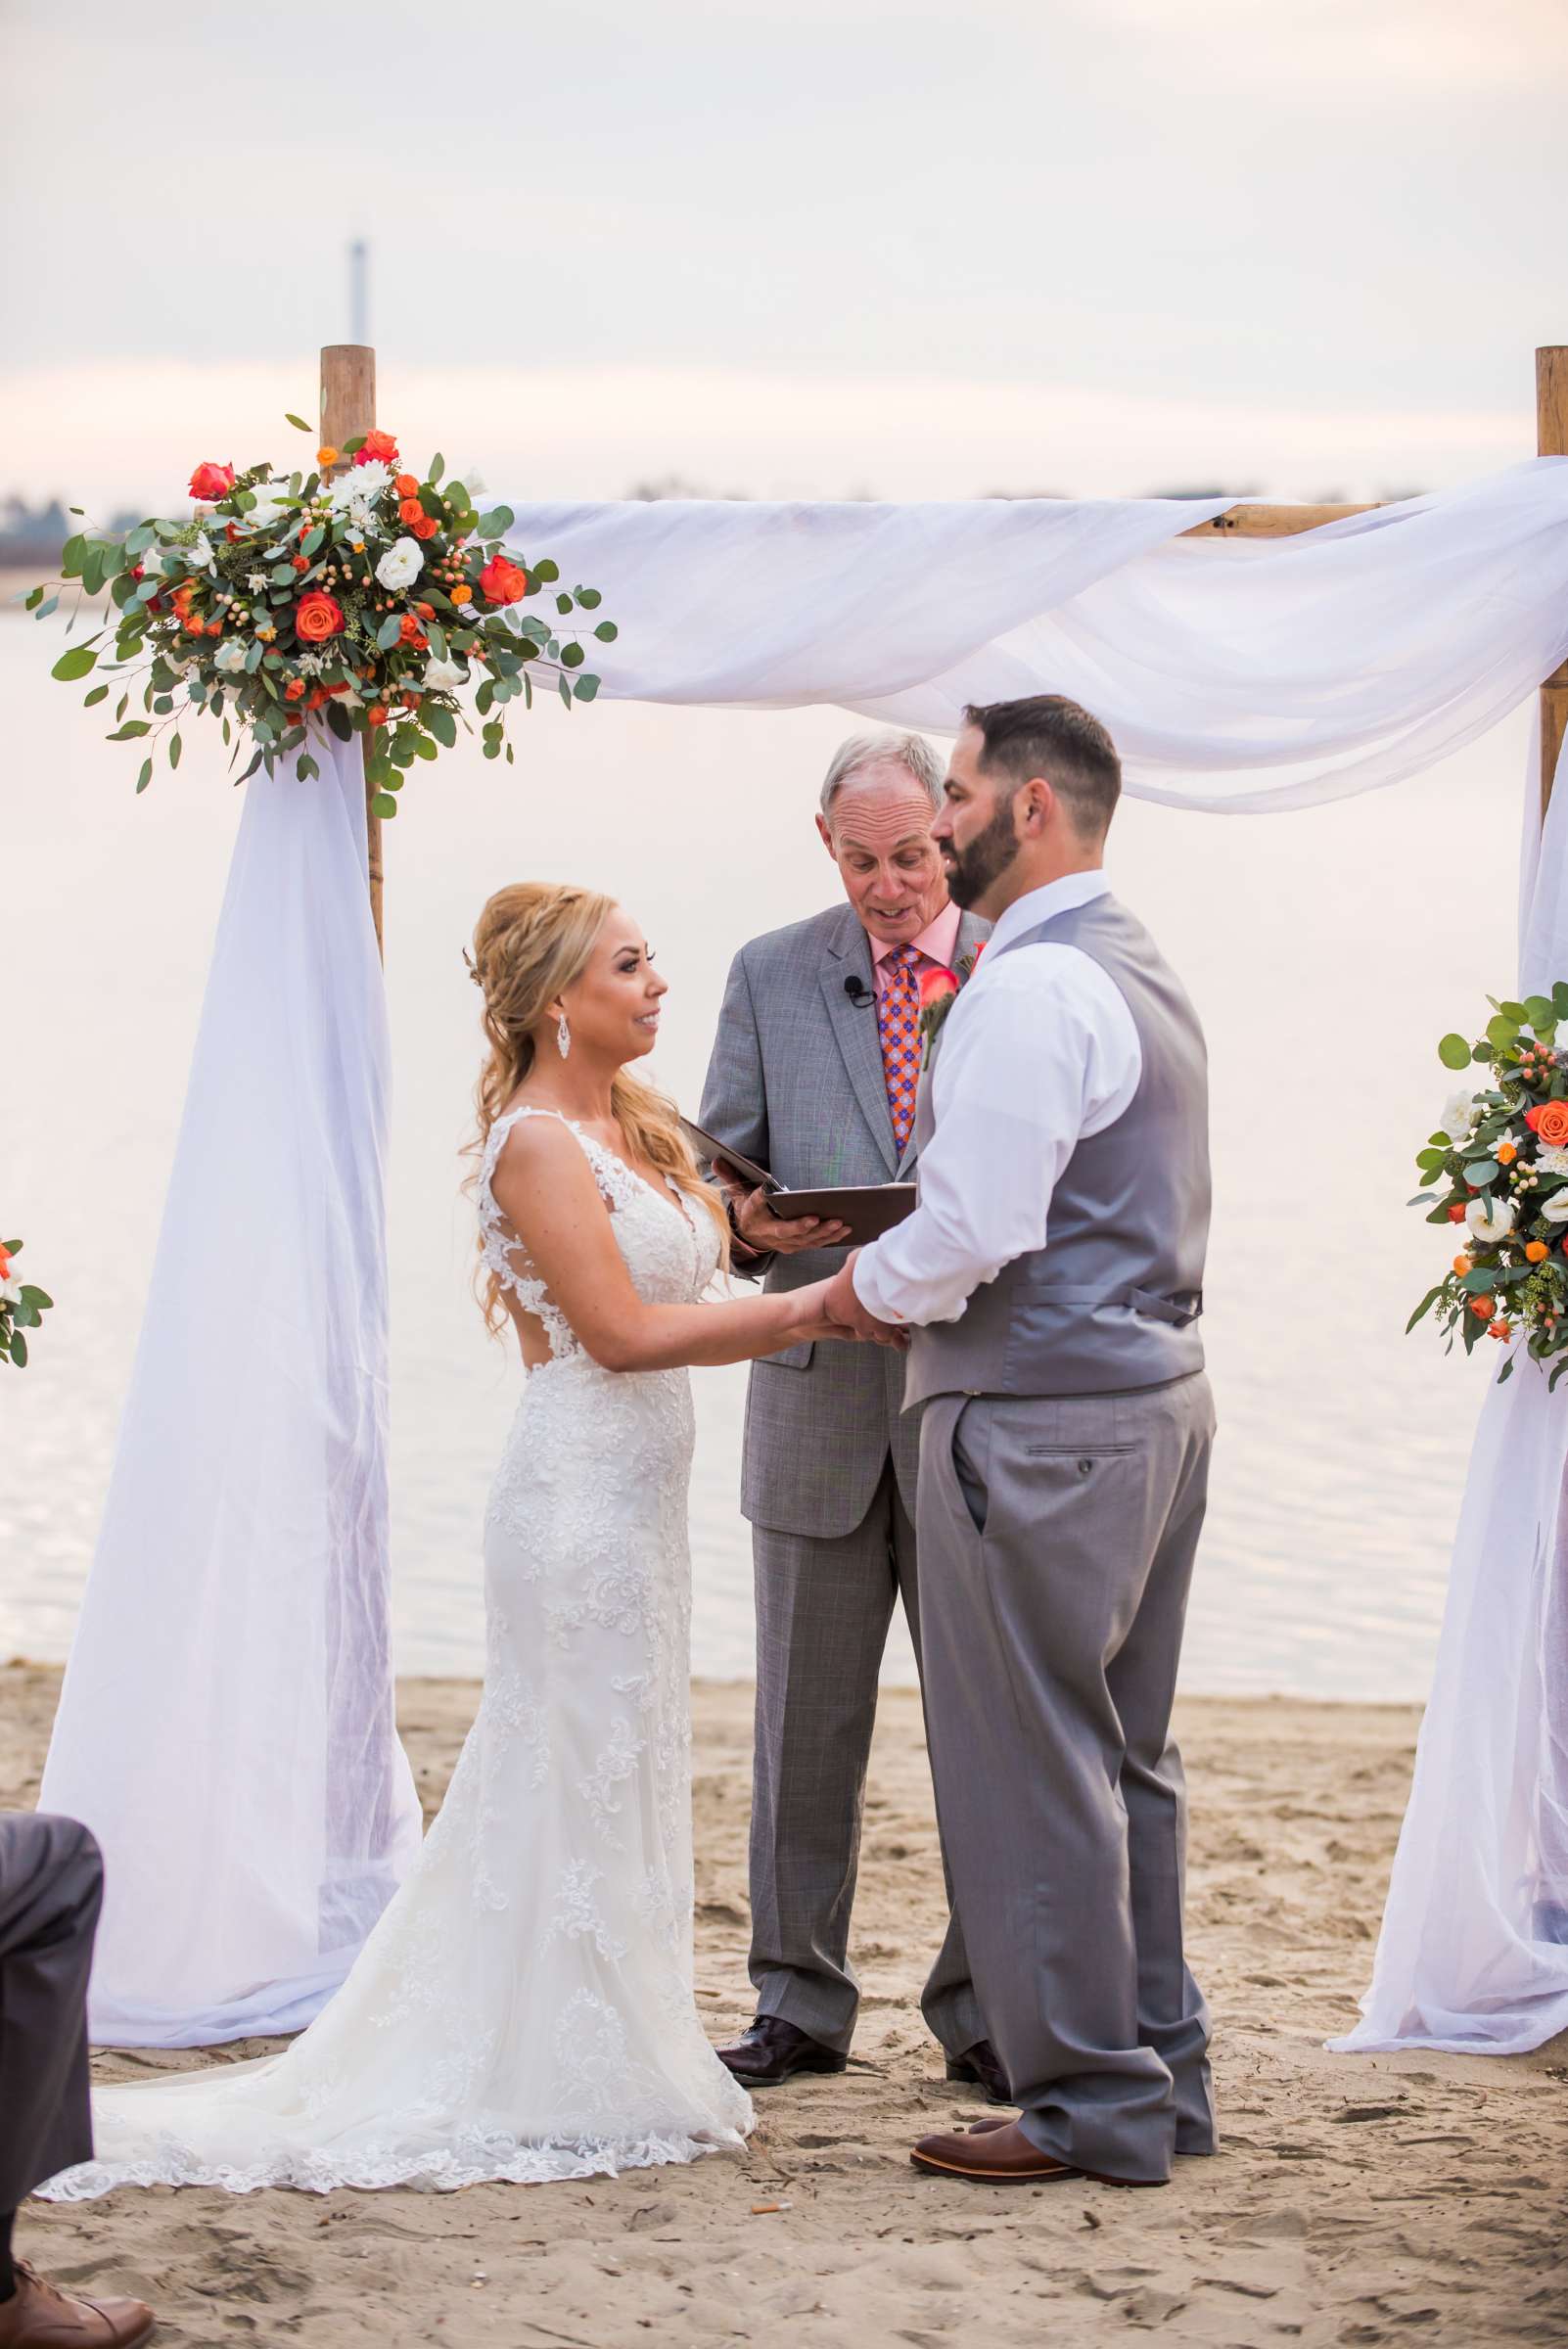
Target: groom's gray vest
[(1112, 1299)]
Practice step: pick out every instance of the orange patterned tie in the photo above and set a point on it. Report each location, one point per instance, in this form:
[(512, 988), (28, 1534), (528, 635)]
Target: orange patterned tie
[(898, 1026)]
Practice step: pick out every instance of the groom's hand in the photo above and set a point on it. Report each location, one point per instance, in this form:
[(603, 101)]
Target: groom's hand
[(843, 1308)]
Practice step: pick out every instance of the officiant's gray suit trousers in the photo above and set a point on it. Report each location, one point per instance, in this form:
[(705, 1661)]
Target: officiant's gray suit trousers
[(1057, 1539), (829, 1472), (51, 1883)]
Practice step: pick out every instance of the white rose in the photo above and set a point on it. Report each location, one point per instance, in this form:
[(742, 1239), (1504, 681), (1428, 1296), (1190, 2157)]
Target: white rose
[(9, 1290), (402, 563), (1493, 1222), (1458, 1111), (199, 554), (269, 497), (230, 656), (443, 676), (360, 483)]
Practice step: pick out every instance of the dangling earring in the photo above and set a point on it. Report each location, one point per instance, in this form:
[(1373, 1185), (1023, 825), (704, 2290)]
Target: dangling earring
[(563, 1035)]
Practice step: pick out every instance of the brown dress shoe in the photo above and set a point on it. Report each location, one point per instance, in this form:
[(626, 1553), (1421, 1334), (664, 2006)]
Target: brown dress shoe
[(38, 2317), (998, 2153)]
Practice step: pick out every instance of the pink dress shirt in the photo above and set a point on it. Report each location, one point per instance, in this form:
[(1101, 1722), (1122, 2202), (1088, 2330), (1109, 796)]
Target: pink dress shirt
[(935, 948)]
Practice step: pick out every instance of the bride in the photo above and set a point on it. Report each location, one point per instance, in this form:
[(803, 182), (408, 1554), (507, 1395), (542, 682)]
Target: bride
[(523, 2008)]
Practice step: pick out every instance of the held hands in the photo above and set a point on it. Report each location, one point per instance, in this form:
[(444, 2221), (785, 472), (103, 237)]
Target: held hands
[(846, 1317)]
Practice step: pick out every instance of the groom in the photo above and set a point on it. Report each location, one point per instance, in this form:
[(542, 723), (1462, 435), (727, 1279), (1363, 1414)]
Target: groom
[(1052, 1273)]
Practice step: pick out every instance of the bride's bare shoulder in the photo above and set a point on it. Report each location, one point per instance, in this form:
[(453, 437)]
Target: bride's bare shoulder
[(540, 1145)]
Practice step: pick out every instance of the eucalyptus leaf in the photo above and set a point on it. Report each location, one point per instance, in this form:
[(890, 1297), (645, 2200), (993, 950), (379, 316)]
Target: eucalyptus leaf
[(585, 688), (74, 664), (146, 775)]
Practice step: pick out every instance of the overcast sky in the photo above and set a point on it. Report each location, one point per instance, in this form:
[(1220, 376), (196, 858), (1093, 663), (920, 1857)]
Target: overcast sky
[(845, 246)]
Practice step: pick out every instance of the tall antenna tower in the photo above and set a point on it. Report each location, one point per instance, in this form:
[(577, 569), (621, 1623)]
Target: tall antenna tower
[(359, 290)]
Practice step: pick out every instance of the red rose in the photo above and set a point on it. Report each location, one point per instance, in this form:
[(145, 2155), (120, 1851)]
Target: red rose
[(211, 481), (380, 446), (1456, 1215), (503, 582), (317, 617), (937, 986)]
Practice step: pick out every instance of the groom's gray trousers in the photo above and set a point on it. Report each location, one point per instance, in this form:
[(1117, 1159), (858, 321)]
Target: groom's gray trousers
[(1057, 1539), (51, 1885)]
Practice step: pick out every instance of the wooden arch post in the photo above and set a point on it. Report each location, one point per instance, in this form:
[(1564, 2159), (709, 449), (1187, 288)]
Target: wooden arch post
[(348, 410), (1552, 440)]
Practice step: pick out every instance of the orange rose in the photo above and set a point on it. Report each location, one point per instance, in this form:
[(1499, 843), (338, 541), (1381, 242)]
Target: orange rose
[(937, 986), (1550, 1121), (1483, 1308), (407, 484), (294, 689), (1505, 1153), (378, 445), (1462, 1264), (215, 628), (426, 526), (376, 715), (503, 582), (326, 455), (317, 617), (1501, 1329), (411, 511), (1535, 1252), (462, 595), (412, 632), (5, 1263)]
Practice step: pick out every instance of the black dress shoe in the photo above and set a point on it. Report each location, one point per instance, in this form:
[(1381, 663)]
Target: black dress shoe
[(979, 2067), (774, 2051)]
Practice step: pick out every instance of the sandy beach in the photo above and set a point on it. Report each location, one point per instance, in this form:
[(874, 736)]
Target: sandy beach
[(1355, 2202)]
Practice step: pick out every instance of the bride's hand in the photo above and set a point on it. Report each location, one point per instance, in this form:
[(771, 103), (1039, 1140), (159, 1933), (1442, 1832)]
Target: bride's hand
[(817, 1325)]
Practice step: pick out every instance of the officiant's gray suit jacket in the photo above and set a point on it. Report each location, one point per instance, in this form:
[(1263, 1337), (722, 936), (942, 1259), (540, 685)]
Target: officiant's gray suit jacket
[(797, 1084)]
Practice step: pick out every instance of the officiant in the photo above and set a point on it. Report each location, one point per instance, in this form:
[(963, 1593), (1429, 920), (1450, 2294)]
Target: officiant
[(813, 1077)]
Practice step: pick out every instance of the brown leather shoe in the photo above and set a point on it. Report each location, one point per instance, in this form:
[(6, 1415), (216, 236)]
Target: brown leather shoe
[(38, 2317), (774, 2051), (998, 2153), (981, 2066)]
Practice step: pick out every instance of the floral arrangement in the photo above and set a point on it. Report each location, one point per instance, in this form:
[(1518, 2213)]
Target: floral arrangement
[(1497, 1167), (356, 593), (20, 1307), (938, 991)]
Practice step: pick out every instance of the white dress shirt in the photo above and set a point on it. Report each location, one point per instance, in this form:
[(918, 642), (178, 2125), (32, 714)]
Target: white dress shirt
[(1038, 1051)]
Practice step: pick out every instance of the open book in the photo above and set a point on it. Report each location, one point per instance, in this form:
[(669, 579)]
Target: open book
[(868, 1209)]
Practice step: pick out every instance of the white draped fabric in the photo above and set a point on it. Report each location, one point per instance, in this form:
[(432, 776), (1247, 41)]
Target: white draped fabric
[(226, 1726), (1473, 1954), (255, 1826)]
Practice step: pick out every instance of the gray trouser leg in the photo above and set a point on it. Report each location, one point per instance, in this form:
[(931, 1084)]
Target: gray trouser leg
[(823, 1606), (51, 1885), (1057, 1541)]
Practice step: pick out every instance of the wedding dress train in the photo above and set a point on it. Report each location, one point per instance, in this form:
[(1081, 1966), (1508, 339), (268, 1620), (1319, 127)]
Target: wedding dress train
[(523, 2008)]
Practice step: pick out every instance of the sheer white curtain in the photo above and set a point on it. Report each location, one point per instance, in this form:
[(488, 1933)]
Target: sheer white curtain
[(226, 1724), (1473, 1954)]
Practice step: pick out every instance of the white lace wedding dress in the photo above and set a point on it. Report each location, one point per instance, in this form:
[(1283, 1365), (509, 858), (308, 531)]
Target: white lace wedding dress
[(523, 2008)]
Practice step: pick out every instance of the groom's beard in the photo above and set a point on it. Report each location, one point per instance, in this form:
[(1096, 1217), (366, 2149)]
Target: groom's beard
[(973, 870)]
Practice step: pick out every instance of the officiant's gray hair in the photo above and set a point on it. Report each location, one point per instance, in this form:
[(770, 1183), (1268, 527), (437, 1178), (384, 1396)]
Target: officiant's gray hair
[(866, 754)]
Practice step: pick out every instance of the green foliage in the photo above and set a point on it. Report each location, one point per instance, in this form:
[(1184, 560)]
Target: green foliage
[(203, 615)]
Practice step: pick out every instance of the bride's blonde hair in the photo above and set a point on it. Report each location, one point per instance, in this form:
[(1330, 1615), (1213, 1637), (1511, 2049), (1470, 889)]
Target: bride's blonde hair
[(531, 942)]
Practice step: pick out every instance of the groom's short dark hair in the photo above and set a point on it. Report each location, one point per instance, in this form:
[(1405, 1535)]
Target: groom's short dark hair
[(1046, 734)]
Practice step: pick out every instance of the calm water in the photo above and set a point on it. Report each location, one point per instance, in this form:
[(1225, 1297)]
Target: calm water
[(1326, 952)]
